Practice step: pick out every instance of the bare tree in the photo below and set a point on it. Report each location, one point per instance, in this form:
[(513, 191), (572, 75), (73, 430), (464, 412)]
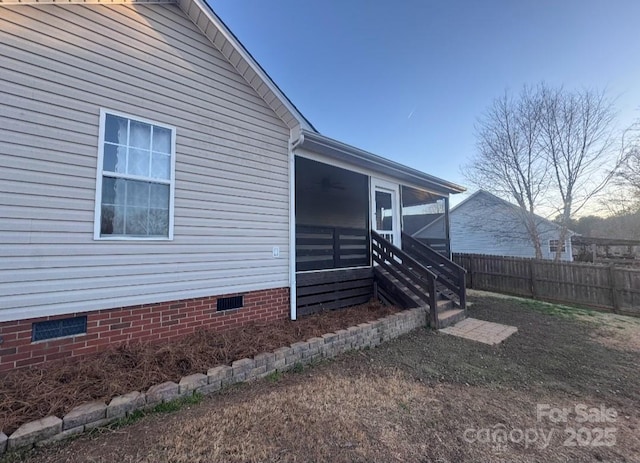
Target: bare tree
[(509, 162), (578, 143), (549, 148), (627, 178)]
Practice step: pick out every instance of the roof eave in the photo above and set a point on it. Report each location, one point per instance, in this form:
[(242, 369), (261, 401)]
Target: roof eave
[(335, 149)]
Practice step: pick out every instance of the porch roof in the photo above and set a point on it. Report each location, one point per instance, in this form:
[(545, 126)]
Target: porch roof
[(335, 149)]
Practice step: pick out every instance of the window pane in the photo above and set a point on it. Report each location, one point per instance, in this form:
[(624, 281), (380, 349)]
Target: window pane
[(137, 193), (143, 211), (136, 221), (113, 191), (121, 191), (118, 220), (112, 220), (106, 220), (138, 162), (108, 191), (114, 158), (159, 222), (160, 196), (161, 140), (161, 166), (140, 135), (115, 130), (383, 211)]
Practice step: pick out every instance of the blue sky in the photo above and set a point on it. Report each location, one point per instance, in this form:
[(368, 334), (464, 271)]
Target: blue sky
[(408, 79)]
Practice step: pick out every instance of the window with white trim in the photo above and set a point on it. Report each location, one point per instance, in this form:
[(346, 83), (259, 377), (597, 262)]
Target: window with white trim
[(136, 164), (553, 246)]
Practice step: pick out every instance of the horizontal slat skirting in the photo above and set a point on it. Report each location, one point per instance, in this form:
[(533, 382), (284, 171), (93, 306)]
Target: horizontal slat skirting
[(339, 304), (323, 298), (333, 289), (333, 276)]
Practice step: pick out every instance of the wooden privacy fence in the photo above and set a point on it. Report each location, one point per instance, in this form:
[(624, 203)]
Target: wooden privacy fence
[(599, 286)]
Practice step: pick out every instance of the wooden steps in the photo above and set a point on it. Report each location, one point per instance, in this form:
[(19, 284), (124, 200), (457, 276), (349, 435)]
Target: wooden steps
[(449, 317), (392, 291)]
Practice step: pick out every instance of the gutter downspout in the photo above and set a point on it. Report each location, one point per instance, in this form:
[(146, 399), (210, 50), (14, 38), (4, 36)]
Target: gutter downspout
[(292, 224)]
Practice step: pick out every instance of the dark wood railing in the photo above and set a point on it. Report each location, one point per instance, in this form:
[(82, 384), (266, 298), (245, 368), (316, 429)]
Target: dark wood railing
[(320, 248), (451, 275), (407, 271), (440, 245)]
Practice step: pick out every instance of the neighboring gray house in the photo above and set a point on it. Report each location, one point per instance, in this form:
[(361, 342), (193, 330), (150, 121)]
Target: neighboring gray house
[(486, 224), (154, 180)]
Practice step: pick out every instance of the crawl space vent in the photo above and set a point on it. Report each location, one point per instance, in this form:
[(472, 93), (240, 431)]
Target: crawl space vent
[(228, 303), (51, 329)]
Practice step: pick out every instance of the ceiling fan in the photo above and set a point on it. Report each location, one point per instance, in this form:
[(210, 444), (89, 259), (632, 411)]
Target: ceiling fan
[(327, 184)]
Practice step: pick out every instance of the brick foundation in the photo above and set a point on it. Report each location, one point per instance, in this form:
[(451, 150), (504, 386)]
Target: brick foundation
[(142, 323)]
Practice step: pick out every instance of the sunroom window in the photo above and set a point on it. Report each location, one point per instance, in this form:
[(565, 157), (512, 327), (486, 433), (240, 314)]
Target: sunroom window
[(135, 178)]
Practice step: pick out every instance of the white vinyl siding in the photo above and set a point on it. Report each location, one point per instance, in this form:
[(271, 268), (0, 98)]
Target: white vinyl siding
[(58, 66)]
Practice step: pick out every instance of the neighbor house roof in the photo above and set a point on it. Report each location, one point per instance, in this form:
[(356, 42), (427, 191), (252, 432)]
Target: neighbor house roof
[(413, 223), (499, 200), (507, 204), (335, 149), (225, 41)]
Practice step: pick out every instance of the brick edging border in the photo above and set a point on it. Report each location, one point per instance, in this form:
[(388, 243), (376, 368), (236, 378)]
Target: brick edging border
[(97, 414)]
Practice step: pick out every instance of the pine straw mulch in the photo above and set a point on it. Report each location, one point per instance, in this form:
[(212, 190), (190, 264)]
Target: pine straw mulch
[(30, 394)]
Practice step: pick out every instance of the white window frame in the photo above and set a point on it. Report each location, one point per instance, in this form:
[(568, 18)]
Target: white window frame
[(564, 247), (100, 176)]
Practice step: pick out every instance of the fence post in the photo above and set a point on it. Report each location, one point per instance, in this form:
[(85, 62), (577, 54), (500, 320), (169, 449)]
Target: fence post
[(534, 281), (463, 290), (471, 279), (433, 302), (615, 294)]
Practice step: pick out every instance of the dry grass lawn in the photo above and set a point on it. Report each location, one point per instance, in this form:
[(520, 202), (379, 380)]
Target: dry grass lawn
[(421, 398)]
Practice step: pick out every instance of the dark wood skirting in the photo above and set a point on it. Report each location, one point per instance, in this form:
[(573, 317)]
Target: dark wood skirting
[(330, 290)]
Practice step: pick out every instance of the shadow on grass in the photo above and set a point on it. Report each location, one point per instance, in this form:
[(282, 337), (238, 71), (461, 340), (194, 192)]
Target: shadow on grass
[(553, 350)]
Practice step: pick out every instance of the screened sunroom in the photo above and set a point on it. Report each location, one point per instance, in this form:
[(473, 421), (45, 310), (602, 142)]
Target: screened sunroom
[(343, 194)]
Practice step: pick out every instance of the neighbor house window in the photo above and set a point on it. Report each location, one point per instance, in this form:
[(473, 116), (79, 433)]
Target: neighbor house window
[(553, 246), (135, 184)]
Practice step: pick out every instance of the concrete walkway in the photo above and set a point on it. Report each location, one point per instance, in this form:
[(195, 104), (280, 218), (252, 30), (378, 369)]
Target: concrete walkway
[(481, 331)]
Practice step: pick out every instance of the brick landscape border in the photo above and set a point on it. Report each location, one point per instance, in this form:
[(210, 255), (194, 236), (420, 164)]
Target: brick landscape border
[(93, 415)]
